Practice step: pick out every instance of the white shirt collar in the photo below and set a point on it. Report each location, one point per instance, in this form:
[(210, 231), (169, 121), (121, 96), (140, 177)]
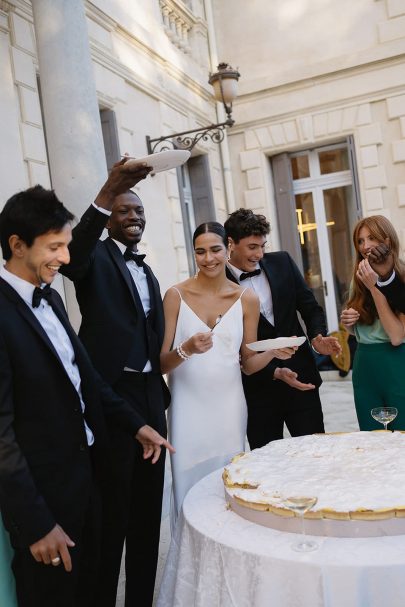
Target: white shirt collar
[(237, 272), (122, 247), (24, 288)]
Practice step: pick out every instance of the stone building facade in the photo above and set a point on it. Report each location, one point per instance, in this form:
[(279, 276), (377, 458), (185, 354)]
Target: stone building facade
[(320, 117), (319, 138)]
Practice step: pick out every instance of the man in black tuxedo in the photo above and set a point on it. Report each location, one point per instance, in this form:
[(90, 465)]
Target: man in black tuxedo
[(283, 392), (389, 283), (52, 426), (122, 329)]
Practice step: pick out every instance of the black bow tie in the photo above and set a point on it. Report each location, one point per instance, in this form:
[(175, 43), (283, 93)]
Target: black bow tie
[(137, 258), (245, 275), (38, 294)]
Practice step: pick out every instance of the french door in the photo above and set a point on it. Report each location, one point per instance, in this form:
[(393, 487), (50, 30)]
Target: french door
[(325, 214)]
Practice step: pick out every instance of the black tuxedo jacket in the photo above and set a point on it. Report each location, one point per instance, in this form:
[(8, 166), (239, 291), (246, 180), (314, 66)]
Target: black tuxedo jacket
[(105, 295), (45, 468), (395, 293), (290, 294)]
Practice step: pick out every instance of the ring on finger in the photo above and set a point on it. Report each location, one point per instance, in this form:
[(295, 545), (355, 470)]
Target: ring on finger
[(55, 561)]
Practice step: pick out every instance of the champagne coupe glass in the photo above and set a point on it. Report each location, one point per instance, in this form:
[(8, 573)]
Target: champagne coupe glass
[(384, 415), (300, 505)]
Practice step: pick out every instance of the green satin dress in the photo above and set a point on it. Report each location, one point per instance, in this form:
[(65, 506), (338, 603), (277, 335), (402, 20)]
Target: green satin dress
[(378, 376), (7, 583)]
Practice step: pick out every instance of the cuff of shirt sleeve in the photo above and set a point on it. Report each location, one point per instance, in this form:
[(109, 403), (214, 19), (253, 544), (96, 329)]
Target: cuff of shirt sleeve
[(385, 283), (104, 211)]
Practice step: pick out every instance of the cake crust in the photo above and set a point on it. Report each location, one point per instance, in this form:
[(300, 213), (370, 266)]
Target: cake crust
[(345, 471)]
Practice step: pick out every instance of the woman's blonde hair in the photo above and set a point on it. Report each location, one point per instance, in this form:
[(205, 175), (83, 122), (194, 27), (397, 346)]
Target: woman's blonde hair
[(360, 298)]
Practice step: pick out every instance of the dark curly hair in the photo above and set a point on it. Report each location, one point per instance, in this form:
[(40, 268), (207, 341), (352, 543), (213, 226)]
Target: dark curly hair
[(243, 223)]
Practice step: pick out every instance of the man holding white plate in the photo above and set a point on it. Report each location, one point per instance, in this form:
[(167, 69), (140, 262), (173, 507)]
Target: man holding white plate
[(281, 392), (122, 329)]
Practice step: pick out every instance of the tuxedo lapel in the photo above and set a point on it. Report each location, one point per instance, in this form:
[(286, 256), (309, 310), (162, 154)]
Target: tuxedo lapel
[(230, 275), (263, 319), (152, 293), (274, 286), (119, 261), (74, 340), (36, 326), (27, 314), (156, 304)]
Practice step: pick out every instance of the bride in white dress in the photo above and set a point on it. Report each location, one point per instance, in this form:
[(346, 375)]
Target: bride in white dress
[(209, 319)]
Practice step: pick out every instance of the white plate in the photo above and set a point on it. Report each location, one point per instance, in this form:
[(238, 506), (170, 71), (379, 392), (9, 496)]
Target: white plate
[(278, 342), (162, 161)]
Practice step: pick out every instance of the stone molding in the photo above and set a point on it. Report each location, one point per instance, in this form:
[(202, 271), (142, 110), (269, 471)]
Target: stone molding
[(21, 7), (178, 22), (23, 65), (24, 9), (4, 6), (393, 27), (395, 7), (4, 25), (156, 91), (324, 127)]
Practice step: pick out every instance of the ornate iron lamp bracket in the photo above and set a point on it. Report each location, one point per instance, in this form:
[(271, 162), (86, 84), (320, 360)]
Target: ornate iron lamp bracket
[(186, 140)]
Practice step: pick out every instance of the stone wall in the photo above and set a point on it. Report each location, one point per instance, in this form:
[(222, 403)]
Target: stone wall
[(312, 74)]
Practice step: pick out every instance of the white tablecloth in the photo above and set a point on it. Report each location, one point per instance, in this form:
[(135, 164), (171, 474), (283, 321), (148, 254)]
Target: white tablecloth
[(218, 559)]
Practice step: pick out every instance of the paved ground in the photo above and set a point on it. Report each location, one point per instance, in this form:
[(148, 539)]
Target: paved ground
[(339, 415)]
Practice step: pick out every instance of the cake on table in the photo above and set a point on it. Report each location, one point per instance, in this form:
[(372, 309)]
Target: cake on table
[(358, 479)]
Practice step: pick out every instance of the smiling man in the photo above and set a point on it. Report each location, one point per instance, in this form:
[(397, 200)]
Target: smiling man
[(52, 427), (283, 392), (122, 329)]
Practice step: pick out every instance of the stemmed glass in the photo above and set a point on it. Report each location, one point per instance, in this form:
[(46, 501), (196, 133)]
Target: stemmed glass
[(300, 505), (384, 415)]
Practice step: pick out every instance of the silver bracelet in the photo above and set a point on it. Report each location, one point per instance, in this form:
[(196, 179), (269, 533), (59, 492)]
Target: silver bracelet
[(181, 352)]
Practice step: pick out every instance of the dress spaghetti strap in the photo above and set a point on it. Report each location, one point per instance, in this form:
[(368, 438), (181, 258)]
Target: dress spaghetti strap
[(176, 289)]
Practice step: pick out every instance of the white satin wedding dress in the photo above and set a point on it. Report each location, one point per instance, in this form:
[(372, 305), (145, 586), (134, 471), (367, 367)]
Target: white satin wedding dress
[(207, 416)]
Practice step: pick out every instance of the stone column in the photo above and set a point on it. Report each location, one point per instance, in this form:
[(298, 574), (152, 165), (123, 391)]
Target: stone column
[(71, 114)]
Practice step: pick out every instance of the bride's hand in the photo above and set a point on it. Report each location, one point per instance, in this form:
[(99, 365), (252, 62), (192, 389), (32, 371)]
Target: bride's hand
[(198, 343)]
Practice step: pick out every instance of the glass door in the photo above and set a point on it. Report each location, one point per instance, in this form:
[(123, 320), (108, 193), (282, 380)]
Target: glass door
[(325, 216), (336, 203), (313, 233)]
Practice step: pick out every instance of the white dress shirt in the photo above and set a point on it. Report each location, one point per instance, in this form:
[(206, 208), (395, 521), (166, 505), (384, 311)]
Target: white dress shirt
[(139, 277), (55, 332), (260, 285)]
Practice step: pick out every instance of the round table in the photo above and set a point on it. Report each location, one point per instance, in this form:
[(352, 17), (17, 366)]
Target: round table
[(218, 559)]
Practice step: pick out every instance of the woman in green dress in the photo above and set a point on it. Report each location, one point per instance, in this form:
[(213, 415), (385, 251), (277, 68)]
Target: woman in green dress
[(7, 584), (379, 363)]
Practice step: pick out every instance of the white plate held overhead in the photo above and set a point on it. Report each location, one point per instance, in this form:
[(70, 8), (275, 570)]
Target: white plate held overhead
[(278, 342), (162, 161)]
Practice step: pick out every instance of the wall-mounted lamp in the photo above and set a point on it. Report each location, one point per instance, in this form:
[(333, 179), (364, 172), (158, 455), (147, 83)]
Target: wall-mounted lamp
[(225, 84)]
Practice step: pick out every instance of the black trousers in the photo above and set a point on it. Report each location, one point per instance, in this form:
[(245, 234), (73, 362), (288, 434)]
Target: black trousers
[(40, 585), (132, 501), (267, 413)]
